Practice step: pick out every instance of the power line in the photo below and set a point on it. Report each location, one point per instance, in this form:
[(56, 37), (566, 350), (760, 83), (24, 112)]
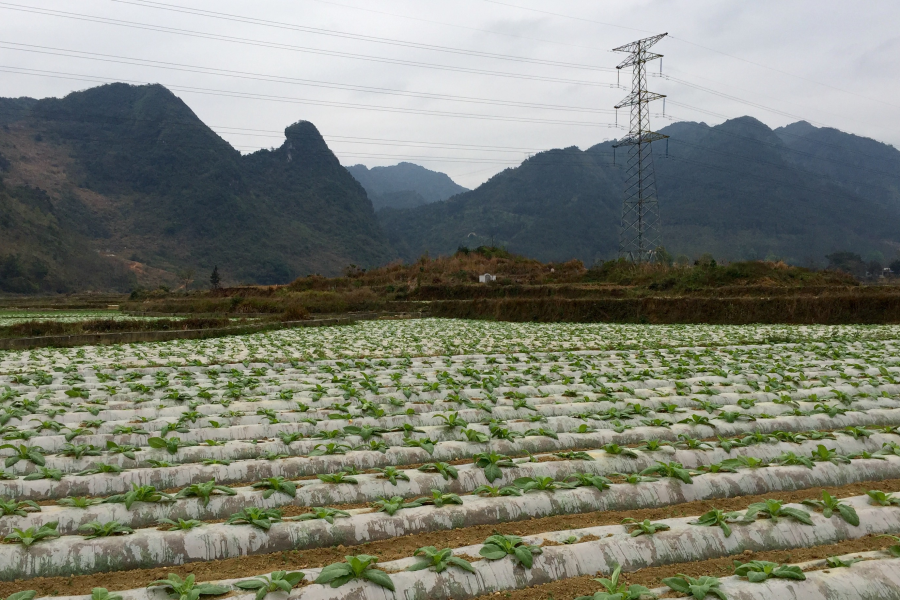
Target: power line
[(807, 79), (279, 46), (445, 24), (170, 66), (304, 101), (353, 36)]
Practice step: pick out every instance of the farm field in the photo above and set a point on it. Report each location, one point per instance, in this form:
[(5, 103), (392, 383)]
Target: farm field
[(14, 317), (447, 459)]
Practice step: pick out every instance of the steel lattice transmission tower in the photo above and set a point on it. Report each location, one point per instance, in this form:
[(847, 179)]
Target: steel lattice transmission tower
[(639, 236)]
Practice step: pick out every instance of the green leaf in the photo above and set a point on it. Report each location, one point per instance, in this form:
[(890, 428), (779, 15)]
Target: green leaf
[(379, 577), (524, 555)]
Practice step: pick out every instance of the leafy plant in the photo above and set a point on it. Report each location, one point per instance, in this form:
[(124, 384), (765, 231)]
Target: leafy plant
[(96, 529), (446, 470), (393, 504), (18, 508), (392, 474), (440, 499), (540, 484), (882, 499), (494, 492), (670, 469), (718, 518), (775, 510), (180, 525), (836, 562), (439, 560), (618, 591), (499, 546), (29, 536), (99, 593), (271, 485), (361, 566), (263, 518), (186, 589), (33, 454), (589, 480), (339, 477), (79, 502), (492, 463), (757, 571), (698, 588), (204, 491), (279, 581), (829, 505), (645, 527), (321, 512), (894, 549), (140, 493)]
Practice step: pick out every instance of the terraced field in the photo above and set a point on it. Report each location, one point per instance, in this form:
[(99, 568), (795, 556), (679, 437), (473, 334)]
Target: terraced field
[(452, 460)]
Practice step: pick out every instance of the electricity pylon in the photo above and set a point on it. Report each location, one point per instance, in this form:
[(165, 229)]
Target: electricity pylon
[(639, 236)]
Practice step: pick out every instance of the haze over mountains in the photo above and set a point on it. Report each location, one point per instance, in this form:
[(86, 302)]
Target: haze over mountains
[(122, 185), (404, 185)]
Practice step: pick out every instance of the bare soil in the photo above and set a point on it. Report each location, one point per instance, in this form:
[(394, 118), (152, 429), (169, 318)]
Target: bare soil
[(402, 547)]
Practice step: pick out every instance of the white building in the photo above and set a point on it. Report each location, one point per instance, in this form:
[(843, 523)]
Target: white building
[(487, 278)]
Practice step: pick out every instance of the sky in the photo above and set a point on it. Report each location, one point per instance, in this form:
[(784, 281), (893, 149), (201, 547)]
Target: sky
[(466, 87)]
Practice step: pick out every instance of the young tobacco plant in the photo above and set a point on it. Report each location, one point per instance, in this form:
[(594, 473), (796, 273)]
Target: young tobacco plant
[(394, 504), (499, 546), (32, 535), (361, 566), (140, 493), (718, 518), (492, 463), (775, 509), (439, 560), (203, 491), (613, 590), (272, 485), (447, 471), (320, 512), (757, 571), (18, 508), (829, 505), (187, 589), (645, 527), (392, 474), (262, 518), (180, 525), (696, 588), (279, 581), (96, 529), (495, 492), (880, 498)]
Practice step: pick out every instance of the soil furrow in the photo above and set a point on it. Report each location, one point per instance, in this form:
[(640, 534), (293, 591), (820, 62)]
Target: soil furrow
[(403, 547)]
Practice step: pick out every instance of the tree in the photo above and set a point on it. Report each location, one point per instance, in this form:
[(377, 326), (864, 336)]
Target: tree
[(847, 262), (215, 282), (186, 277)]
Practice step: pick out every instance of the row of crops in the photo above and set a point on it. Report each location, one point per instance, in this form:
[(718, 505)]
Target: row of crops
[(450, 460)]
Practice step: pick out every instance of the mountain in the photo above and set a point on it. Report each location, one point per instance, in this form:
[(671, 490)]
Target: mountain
[(862, 165), (404, 185), (130, 175), (737, 190)]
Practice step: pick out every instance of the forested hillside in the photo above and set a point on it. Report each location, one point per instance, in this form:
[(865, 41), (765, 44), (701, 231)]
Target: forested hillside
[(129, 174), (737, 190)]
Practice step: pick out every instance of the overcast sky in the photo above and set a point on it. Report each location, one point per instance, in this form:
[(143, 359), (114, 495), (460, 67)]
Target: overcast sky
[(475, 85)]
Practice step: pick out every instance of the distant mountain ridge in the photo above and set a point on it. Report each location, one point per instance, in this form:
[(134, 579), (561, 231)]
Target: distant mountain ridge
[(404, 185), (736, 190), (129, 174)]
